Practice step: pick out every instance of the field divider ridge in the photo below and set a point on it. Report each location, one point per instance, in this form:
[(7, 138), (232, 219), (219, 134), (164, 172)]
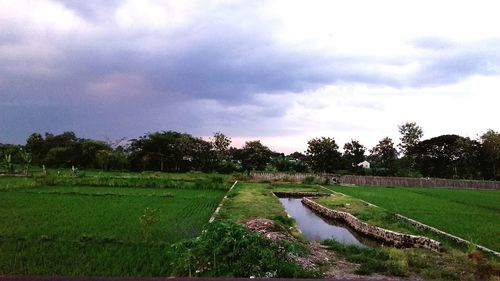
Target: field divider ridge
[(446, 234), (212, 218), (428, 227), (393, 237)]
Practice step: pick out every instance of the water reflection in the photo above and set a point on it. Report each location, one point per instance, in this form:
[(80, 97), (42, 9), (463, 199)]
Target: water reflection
[(315, 227)]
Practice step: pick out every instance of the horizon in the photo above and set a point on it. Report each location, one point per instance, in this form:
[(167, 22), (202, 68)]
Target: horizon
[(274, 71)]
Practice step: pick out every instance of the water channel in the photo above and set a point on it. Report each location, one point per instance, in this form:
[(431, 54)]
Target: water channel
[(315, 227)]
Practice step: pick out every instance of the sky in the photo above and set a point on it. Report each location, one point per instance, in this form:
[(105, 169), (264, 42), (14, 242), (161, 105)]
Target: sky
[(282, 72)]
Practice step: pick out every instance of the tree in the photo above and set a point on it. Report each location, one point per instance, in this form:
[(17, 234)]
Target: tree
[(255, 156), (170, 151), (220, 144), (27, 158), (384, 155), (89, 152), (35, 145), (448, 156), (354, 153), (490, 154), (323, 155), (289, 163), (411, 134)]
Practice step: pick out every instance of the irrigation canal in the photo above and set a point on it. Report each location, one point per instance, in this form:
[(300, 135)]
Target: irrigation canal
[(315, 227)]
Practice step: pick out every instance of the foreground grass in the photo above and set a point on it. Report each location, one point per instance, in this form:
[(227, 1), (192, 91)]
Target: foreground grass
[(449, 265), (96, 231), (471, 214)]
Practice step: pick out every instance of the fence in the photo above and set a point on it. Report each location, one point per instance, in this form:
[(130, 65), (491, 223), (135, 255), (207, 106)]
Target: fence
[(378, 181), (286, 177), (419, 182)]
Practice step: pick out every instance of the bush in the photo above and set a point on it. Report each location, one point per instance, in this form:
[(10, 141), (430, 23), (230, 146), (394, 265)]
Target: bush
[(46, 180), (228, 249), (309, 180)]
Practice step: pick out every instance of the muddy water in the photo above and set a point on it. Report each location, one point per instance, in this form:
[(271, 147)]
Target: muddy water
[(315, 227)]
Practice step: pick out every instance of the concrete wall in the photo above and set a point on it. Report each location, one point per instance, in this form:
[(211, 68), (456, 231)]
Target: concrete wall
[(395, 238)]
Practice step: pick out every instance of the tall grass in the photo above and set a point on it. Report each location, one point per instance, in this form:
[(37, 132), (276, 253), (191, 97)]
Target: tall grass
[(215, 183)]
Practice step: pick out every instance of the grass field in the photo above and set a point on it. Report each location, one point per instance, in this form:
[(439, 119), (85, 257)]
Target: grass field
[(96, 231), (471, 214)]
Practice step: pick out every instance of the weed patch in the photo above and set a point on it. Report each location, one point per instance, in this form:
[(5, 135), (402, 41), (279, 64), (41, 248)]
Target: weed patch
[(228, 249)]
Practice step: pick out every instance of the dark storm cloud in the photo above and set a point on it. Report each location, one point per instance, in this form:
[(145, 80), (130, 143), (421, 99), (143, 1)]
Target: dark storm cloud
[(120, 81)]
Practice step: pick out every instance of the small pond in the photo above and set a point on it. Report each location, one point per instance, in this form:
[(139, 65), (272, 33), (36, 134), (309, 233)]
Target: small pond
[(315, 227)]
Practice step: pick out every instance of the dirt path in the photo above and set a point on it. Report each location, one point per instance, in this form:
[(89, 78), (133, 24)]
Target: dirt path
[(319, 257)]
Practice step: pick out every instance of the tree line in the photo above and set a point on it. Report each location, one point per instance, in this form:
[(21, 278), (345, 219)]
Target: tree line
[(445, 156)]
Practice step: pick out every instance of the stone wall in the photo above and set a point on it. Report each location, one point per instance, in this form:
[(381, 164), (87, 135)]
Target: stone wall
[(395, 238), (299, 194)]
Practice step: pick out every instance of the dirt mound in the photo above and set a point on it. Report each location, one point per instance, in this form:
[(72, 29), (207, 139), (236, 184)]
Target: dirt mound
[(269, 229)]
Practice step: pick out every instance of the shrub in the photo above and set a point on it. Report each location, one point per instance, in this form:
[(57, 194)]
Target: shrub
[(46, 180), (147, 220), (309, 180), (228, 249)]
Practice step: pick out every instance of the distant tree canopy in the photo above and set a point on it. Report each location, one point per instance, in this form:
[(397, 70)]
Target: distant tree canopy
[(384, 156), (445, 156), (448, 156), (64, 150), (354, 153), (489, 154), (323, 155), (171, 151), (255, 156)]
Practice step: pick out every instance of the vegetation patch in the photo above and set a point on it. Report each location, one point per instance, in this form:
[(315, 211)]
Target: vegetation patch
[(251, 200), (139, 182), (229, 249), (470, 214), (449, 265), (78, 230)]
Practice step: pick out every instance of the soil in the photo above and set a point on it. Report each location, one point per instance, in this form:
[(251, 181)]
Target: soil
[(319, 257)]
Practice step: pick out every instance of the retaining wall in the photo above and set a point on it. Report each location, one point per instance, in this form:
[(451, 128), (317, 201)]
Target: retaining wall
[(395, 238), (300, 194)]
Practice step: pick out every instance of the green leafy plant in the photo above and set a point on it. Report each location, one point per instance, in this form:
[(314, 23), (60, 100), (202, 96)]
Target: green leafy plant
[(27, 158), (148, 220), (225, 248), (7, 161)]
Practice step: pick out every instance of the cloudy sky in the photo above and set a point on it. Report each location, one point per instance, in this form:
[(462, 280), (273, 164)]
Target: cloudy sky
[(279, 71)]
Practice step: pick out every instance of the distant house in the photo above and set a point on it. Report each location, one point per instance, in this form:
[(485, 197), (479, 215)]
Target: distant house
[(365, 165)]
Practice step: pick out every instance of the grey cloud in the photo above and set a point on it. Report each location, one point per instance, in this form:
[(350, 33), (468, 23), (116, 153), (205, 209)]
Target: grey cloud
[(458, 62), (91, 10), (218, 57), (433, 43)]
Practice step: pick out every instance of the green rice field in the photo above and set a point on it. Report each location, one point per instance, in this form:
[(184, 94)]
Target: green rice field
[(96, 231), (473, 215)]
